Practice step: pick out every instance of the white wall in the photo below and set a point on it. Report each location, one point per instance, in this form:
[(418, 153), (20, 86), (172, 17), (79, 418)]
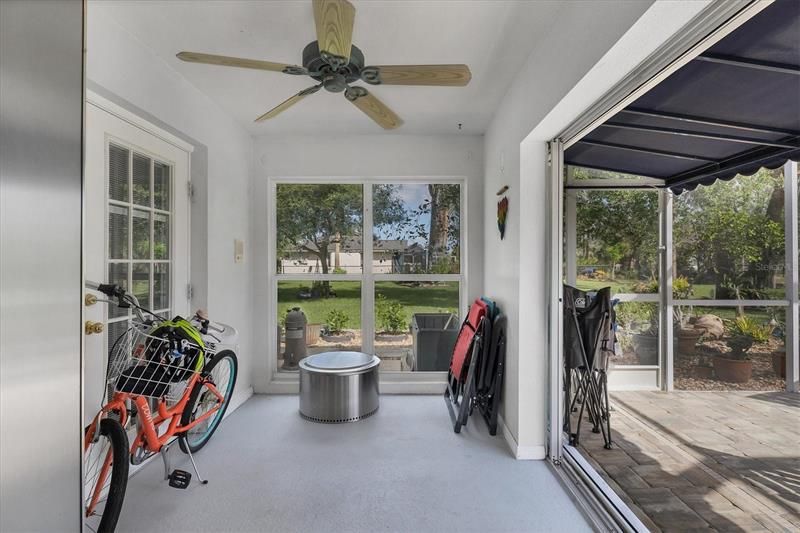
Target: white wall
[(590, 46), (383, 154), (126, 68)]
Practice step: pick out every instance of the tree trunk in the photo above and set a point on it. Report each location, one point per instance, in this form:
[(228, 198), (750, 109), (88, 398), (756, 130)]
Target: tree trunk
[(775, 214), (337, 247), (439, 228), (325, 286)]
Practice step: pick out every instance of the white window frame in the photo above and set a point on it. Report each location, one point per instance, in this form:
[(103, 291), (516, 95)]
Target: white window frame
[(635, 377), (391, 381)]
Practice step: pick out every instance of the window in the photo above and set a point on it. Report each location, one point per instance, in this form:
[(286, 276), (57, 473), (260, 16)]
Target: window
[(417, 228), (138, 236), (616, 235), (612, 240), (397, 296), (319, 228)]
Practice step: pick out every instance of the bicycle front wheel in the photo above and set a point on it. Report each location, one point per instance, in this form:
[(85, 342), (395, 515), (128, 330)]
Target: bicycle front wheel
[(222, 373), (106, 475)]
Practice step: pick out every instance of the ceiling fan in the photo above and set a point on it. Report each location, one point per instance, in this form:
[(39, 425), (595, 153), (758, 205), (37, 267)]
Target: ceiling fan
[(336, 63)]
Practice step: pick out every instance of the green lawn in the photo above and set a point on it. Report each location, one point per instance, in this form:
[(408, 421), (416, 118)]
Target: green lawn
[(618, 286), (428, 298)]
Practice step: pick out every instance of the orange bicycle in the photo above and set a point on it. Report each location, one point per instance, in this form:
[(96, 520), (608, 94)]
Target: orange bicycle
[(167, 380)]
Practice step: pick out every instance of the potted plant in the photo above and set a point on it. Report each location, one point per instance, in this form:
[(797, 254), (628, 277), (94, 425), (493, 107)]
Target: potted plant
[(688, 337), (736, 366), (705, 354)]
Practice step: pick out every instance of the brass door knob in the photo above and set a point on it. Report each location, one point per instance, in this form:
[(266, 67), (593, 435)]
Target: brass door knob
[(93, 327)]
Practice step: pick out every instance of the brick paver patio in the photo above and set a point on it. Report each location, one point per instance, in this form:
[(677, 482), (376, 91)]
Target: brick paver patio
[(684, 461)]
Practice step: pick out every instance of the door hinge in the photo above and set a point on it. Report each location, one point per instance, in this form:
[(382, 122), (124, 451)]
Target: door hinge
[(190, 190), (189, 291)]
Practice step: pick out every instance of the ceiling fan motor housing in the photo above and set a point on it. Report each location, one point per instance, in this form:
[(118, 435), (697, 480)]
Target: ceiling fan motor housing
[(334, 78)]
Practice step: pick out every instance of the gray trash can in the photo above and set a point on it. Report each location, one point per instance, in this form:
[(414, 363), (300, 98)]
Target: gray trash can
[(433, 336)]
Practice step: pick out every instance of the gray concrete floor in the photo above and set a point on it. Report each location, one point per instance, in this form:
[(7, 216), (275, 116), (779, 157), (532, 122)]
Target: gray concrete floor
[(686, 461), (401, 470)]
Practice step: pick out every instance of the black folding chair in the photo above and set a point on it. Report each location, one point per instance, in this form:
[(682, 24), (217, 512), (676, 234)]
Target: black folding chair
[(490, 381), (588, 340)]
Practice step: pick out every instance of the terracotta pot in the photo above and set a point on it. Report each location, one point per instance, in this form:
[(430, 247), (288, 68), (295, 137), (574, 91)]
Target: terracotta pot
[(779, 364), (703, 372), (687, 340), (733, 370)]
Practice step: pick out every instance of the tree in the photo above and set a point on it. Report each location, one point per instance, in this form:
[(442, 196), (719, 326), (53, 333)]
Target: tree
[(619, 227), (445, 222), (731, 234), (315, 218)]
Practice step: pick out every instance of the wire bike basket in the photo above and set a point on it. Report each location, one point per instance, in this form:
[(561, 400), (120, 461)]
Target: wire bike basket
[(156, 362)]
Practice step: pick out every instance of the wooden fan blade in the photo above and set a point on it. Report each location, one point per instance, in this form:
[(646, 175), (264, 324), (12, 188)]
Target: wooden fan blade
[(373, 108), (289, 102), (440, 75), (226, 61), (334, 20)]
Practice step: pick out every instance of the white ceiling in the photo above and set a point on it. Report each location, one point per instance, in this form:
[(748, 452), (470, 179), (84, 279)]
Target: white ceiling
[(494, 37)]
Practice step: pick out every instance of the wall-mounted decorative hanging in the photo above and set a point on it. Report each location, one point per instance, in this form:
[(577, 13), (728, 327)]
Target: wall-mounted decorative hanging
[(502, 212)]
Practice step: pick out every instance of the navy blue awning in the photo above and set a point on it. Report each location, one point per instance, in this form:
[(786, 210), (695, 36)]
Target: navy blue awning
[(732, 110)]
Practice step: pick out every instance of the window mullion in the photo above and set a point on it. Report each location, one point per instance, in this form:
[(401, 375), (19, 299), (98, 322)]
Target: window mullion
[(792, 283), (151, 281), (130, 223), (368, 281)]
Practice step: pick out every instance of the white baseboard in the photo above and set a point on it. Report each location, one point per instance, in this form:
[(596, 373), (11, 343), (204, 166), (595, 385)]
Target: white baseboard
[(238, 399), (290, 386), (522, 453)]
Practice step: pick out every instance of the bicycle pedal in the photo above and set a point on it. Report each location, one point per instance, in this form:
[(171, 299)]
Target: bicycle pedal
[(180, 479)]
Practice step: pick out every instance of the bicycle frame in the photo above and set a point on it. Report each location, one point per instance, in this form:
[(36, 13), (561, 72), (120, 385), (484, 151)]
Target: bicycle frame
[(148, 436)]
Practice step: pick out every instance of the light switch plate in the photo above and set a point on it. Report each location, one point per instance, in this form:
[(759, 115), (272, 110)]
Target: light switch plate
[(238, 251)]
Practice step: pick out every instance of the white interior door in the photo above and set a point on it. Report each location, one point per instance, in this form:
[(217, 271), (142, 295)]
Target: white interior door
[(136, 227)]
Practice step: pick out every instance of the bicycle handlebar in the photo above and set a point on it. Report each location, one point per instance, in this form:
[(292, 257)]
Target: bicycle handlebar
[(126, 300)]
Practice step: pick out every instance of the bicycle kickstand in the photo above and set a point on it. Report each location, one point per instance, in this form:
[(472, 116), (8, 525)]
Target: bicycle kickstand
[(194, 465), (167, 462)]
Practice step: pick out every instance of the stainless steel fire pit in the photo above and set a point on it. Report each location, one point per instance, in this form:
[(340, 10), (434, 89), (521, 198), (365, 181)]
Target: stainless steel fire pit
[(338, 387)]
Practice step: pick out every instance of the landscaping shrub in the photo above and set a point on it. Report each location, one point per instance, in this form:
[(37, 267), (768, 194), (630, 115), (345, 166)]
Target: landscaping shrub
[(746, 326), (336, 321), (391, 316)]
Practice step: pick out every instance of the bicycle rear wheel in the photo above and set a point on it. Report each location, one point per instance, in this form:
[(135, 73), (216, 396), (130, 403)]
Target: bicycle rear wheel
[(222, 371), (106, 475)]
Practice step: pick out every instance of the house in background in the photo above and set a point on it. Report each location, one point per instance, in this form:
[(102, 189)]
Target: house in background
[(389, 256)]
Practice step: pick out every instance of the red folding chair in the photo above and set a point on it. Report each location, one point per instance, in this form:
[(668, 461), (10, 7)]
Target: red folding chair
[(461, 377)]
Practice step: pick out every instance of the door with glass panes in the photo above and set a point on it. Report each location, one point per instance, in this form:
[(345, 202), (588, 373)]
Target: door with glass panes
[(136, 227)]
